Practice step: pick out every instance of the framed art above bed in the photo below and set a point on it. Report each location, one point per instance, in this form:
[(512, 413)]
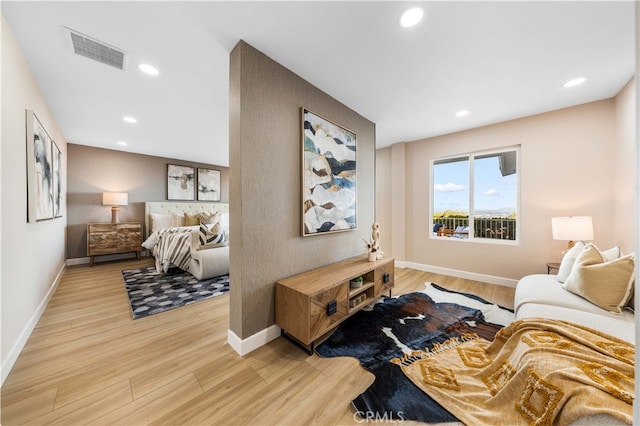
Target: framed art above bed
[(208, 185), (181, 182)]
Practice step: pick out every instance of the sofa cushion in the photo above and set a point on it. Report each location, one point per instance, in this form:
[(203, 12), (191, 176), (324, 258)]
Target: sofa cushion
[(607, 284), (623, 326), (568, 260), (543, 289)]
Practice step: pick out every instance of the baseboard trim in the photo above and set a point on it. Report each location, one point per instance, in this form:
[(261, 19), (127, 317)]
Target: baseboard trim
[(491, 279), (104, 258), (400, 264), (253, 342), (77, 261), (14, 352)]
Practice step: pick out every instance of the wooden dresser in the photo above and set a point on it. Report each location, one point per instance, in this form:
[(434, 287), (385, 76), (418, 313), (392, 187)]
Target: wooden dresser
[(311, 304), (113, 238)]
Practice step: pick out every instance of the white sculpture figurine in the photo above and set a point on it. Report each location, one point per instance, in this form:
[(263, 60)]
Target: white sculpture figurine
[(375, 239)]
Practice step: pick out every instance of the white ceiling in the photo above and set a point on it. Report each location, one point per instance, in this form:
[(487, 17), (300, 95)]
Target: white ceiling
[(499, 60)]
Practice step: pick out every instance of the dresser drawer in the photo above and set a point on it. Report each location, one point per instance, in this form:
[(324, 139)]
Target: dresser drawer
[(113, 238), (129, 237)]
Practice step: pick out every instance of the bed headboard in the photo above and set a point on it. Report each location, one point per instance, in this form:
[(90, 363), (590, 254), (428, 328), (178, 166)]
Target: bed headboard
[(180, 207)]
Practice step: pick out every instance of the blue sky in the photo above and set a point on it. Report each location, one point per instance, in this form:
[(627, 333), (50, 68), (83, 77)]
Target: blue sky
[(492, 190)]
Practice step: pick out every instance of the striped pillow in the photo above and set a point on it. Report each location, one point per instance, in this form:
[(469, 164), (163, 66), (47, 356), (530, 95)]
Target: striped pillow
[(209, 218), (213, 236)]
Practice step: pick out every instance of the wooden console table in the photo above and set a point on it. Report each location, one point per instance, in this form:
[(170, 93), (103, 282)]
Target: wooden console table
[(311, 304)]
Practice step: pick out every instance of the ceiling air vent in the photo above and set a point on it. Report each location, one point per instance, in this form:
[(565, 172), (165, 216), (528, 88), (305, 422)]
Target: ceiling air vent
[(98, 51)]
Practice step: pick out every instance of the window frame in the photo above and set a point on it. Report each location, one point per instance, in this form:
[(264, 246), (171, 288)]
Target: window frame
[(471, 157)]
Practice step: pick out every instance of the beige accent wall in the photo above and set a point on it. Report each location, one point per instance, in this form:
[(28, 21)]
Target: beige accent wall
[(383, 195), (265, 194), (391, 199), (32, 254), (93, 171), (568, 166), (625, 172)]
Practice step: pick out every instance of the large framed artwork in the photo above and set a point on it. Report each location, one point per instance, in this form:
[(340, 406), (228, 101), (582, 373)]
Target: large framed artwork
[(208, 185), (57, 179), (40, 198), (181, 182), (328, 176)]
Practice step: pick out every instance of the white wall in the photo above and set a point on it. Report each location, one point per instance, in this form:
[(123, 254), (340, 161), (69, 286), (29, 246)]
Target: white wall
[(569, 162), (625, 173), (32, 254)]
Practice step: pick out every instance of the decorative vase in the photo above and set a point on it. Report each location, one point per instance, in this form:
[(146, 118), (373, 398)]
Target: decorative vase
[(372, 256)]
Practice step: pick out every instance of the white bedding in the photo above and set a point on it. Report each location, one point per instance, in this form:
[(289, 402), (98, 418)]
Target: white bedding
[(150, 242), (169, 242), (172, 247)]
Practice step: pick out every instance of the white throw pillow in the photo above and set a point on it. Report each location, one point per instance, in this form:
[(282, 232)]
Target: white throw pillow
[(568, 260), (159, 221), (612, 253)]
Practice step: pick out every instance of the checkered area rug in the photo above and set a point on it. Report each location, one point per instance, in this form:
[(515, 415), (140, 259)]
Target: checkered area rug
[(151, 292)]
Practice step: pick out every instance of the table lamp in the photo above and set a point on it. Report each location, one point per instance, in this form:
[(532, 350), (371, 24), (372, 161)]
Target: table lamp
[(572, 228), (114, 199)]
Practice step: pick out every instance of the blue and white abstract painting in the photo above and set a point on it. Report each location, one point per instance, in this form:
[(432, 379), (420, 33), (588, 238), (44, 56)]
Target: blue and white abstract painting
[(329, 176)]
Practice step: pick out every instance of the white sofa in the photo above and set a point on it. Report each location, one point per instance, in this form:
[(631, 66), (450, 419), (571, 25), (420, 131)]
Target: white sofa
[(591, 289), (208, 263), (542, 295)]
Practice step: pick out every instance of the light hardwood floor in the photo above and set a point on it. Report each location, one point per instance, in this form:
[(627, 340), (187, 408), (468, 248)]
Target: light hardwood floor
[(89, 362)]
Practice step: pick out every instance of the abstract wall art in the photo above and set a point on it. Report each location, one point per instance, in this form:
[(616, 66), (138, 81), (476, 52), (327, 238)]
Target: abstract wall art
[(328, 176), (40, 197), (208, 185), (57, 179), (181, 182)]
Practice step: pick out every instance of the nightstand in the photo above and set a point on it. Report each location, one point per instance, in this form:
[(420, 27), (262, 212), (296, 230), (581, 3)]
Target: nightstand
[(551, 266), (113, 238)]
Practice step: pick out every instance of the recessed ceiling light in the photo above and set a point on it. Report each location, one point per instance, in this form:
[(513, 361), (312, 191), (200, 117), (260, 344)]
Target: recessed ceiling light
[(575, 82), (121, 143), (411, 17), (129, 119), (462, 113), (148, 69)]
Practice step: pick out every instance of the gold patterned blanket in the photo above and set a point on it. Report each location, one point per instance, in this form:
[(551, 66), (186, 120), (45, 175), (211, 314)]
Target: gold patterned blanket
[(536, 371)]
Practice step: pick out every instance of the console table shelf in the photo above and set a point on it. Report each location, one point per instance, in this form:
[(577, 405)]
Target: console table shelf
[(311, 304)]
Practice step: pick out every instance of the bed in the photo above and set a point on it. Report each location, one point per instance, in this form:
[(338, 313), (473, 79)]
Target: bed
[(193, 236)]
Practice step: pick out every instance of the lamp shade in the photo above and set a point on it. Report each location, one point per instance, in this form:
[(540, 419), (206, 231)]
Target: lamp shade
[(114, 198), (572, 228)]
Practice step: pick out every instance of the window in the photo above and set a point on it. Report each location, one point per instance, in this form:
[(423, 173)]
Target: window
[(483, 186)]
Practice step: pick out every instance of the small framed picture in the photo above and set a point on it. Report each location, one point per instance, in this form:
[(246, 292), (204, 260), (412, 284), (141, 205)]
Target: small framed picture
[(181, 182)]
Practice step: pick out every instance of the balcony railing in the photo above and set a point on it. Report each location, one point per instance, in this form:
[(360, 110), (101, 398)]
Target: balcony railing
[(458, 227)]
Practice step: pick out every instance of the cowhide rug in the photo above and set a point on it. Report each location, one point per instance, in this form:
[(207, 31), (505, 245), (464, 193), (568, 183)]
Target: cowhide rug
[(398, 325)]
